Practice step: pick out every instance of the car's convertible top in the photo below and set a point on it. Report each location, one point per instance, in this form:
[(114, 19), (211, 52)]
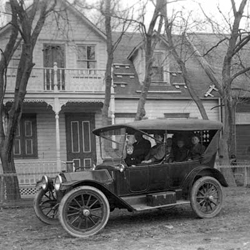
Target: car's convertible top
[(164, 124)]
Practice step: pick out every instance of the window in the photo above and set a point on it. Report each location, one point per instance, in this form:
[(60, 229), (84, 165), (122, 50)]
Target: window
[(16, 57), (157, 68), (86, 56), (25, 144)]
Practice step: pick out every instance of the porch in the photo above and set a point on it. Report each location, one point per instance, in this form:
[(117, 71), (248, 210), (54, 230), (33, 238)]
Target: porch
[(60, 79)]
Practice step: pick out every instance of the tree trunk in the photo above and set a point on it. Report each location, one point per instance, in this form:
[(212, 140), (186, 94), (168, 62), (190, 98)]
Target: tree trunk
[(149, 51), (183, 68), (108, 73), (22, 23), (9, 183)]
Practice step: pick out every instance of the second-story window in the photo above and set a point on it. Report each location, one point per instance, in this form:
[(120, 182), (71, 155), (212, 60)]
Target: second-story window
[(157, 67), (86, 56)]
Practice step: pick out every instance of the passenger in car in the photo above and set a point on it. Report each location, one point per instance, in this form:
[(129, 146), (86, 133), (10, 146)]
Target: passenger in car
[(180, 153), (197, 149), (141, 148), (157, 152), (169, 156)]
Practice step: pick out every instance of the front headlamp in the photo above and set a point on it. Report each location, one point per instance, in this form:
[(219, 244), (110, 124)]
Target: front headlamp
[(45, 182), (58, 182)]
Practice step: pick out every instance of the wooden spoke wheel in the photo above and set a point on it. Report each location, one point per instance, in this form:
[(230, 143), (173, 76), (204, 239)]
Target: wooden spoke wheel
[(206, 197), (84, 211), (46, 206)]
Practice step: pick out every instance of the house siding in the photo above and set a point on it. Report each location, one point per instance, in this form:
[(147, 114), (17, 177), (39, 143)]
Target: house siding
[(157, 108)]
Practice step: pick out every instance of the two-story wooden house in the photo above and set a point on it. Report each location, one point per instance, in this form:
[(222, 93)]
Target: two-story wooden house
[(64, 97)]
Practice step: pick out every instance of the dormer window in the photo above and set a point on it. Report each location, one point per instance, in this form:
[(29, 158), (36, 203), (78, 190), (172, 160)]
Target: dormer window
[(157, 68), (86, 57)]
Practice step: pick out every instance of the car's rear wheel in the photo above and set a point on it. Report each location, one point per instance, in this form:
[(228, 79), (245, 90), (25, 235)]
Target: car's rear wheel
[(84, 211), (46, 206), (206, 197)]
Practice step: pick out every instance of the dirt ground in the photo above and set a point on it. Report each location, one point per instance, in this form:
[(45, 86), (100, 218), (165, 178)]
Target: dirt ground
[(175, 228)]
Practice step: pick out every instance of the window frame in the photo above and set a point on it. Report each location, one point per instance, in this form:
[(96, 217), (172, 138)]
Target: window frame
[(89, 61), (157, 67)]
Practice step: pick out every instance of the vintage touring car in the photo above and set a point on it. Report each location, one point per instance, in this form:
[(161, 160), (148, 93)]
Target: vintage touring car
[(82, 200)]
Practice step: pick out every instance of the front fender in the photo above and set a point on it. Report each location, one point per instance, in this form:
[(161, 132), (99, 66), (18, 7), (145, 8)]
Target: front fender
[(200, 172), (108, 190)]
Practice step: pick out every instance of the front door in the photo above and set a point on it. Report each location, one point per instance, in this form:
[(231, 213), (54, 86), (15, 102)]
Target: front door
[(81, 146)]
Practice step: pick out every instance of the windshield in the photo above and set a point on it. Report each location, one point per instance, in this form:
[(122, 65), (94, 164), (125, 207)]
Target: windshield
[(112, 143)]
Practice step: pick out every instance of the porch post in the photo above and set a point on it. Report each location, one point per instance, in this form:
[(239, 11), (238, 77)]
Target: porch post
[(55, 77), (58, 158), (58, 148)]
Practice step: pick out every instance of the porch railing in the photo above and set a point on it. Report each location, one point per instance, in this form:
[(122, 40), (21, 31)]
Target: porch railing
[(60, 79)]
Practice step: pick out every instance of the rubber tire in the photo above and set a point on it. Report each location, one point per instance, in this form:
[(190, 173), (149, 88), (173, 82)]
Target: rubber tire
[(67, 200), (203, 182), (52, 219)]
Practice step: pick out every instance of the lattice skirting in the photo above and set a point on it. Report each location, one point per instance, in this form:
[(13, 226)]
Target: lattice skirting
[(27, 191)]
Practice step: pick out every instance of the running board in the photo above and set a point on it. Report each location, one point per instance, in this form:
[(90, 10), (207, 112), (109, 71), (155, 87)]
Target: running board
[(143, 207), (154, 200)]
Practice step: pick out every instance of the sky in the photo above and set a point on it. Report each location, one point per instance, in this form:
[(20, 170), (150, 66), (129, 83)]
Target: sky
[(212, 8), (209, 6)]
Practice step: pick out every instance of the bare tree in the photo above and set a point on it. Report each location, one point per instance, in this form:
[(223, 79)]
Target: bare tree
[(22, 25), (115, 18), (233, 66), (150, 44)]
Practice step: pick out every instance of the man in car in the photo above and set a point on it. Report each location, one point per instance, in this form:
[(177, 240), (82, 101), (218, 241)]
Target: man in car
[(197, 149), (141, 148), (180, 152), (157, 152)]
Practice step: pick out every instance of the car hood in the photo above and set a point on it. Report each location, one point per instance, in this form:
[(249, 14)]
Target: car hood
[(100, 176)]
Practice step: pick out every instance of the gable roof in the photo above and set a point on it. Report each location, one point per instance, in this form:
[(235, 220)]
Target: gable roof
[(202, 85), (130, 43), (84, 18), (70, 7)]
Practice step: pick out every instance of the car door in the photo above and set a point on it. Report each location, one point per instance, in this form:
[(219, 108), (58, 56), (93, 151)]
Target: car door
[(137, 179), (158, 177)]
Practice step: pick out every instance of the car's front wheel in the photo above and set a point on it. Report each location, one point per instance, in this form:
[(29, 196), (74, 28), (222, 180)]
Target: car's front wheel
[(46, 206), (206, 197), (84, 211)]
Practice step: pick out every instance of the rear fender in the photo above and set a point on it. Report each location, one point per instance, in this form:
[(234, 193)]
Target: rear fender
[(199, 172)]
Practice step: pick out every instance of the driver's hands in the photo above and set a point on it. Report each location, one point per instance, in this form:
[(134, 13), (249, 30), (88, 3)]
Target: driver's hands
[(130, 149)]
